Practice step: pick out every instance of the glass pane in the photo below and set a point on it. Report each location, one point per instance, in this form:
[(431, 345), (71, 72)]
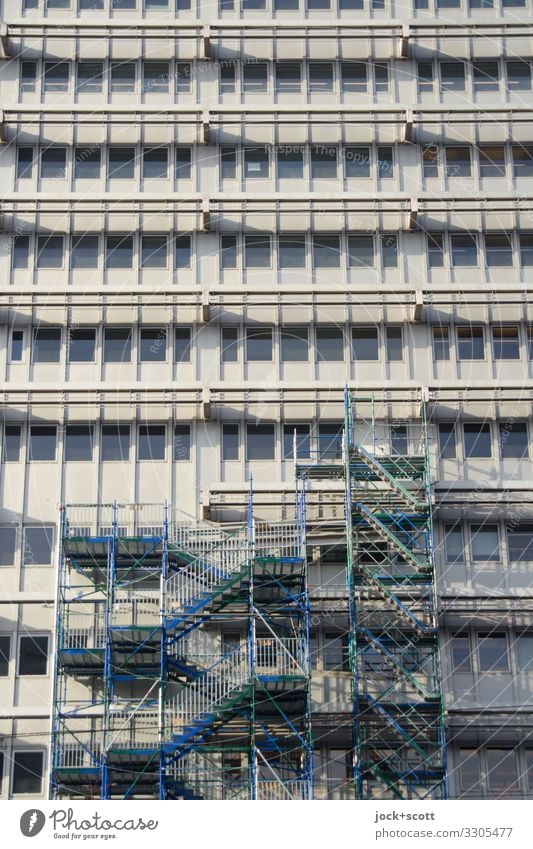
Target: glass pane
[(294, 344), (33, 656), (326, 252), (42, 442), (182, 442), (115, 442), (5, 649), (117, 345), (394, 338), (119, 252), (121, 163), (230, 344), (461, 654), (441, 344), (502, 771), (81, 348), (27, 772), (21, 251), (79, 443), (520, 543), (365, 343), (49, 252), (153, 345), (296, 436), (257, 251), (90, 75), (259, 345), (506, 343), (228, 252), (477, 440), (46, 346), (87, 164), (260, 443), (470, 344), (484, 542), (524, 652), (492, 652), (290, 163), (183, 252), (291, 251), (151, 442), (154, 252), (453, 544), (230, 442), (329, 344), (514, 443), (8, 543), (323, 163), (38, 544), (12, 440), (182, 345), (155, 163), (447, 441), (361, 251)]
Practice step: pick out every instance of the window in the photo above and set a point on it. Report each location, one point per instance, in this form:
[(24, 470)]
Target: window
[(381, 76), (82, 345), (153, 251), (365, 343), (477, 440), (230, 442), (117, 345), (288, 78), (470, 343), (519, 76), (389, 250), (294, 344), (484, 543), (155, 163), (502, 772), (291, 251), (453, 544), (357, 162), (523, 160), (520, 543), (38, 543), (183, 77), (182, 442), (498, 250), (486, 76), (326, 251), (122, 77), (323, 162), (28, 76), (394, 343), (115, 442), (493, 653), (354, 78), (28, 770), (505, 343), (256, 163), (230, 344), (90, 77), (49, 251), (155, 77), (87, 163), (361, 251), (153, 345), (84, 252), (385, 163), (461, 654), (447, 441), (228, 163), (514, 443), (183, 163), (458, 162), (228, 251), (259, 344), (79, 441), (16, 348), (330, 440), (46, 345), (119, 252), (290, 163), (430, 161), (435, 250), (121, 163), (320, 77), (254, 77), (468, 769), (492, 161), (329, 344), (151, 442), (42, 445), (257, 251), (399, 439), (21, 251), (260, 443), (335, 658), (524, 653), (56, 76), (296, 435), (11, 446), (8, 544), (33, 656), (464, 250), (441, 344), (182, 254), (182, 345), (5, 650), (480, 4), (24, 163), (286, 5), (452, 76), (425, 76), (227, 78), (526, 249)]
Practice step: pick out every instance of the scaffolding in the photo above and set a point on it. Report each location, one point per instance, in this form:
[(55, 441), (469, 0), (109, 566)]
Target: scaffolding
[(182, 666), (398, 720)]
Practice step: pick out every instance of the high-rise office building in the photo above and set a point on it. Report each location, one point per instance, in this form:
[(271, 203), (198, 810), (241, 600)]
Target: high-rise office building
[(266, 522)]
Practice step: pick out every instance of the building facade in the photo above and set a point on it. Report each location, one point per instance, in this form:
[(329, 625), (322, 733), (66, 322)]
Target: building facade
[(215, 219)]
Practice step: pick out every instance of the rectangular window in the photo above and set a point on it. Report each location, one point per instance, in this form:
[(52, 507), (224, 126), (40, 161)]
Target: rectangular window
[(28, 76), (183, 77), (447, 441), (53, 163), (155, 77), (290, 163), (153, 251), (87, 163), (230, 442), (230, 344), (478, 441), (28, 768), (182, 442), (183, 163), (119, 252), (453, 544), (258, 344), (435, 250), (452, 76), (228, 251), (498, 250), (33, 656), (8, 545), (394, 343), (46, 345), (468, 769), (486, 76), (24, 163), (425, 76), (122, 77), (470, 342), (334, 659), (12, 441), (519, 75), (42, 444), (49, 251), (254, 78), (291, 251), (464, 250), (361, 251), (79, 440), (153, 345), (520, 543), (461, 654), (294, 344), (399, 439), (121, 163), (514, 443), (492, 161), (365, 344), (323, 162), (115, 442), (441, 344), (329, 344), (21, 251), (256, 163), (320, 77), (389, 250), (182, 254), (155, 163), (228, 163), (117, 345), (5, 651), (484, 543), (81, 346), (381, 76), (227, 78), (16, 346), (458, 162), (288, 77), (90, 77), (354, 77), (330, 440), (505, 342), (152, 439), (326, 251), (56, 76), (430, 161), (257, 252), (502, 772), (524, 657), (523, 160), (385, 163), (357, 162), (296, 436), (260, 442), (493, 653), (182, 345)]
